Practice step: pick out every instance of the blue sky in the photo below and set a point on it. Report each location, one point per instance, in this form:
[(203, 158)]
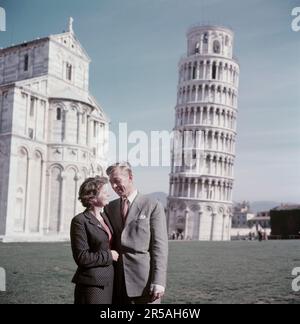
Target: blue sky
[(135, 46)]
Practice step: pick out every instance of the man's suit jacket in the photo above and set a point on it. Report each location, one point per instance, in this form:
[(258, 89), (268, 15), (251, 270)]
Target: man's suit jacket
[(142, 242), (91, 251)]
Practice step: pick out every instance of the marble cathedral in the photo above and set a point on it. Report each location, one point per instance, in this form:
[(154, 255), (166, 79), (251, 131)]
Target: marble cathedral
[(53, 135)]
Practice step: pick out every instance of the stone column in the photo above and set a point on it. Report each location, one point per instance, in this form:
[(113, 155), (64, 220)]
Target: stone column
[(48, 207), (229, 227), (180, 185), (214, 145), (198, 70), (64, 125), (87, 125), (36, 108), (50, 124), (189, 188), (176, 188), (196, 189), (213, 220), (216, 141), (209, 189), (27, 195), (183, 187), (195, 115), (90, 131), (173, 194), (201, 189), (200, 224), (223, 227), (27, 114), (204, 70), (198, 139), (77, 204), (210, 164), (170, 187), (205, 139), (227, 74), (62, 203), (222, 142), (227, 192), (79, 122), (196, 169), (201, 113), (206, 76), (186, 227), (46, 116), (209, 71), (216, 166), (42, 201)]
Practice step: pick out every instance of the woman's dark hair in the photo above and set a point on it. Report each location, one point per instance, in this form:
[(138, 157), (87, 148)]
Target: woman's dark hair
[(90, 190)]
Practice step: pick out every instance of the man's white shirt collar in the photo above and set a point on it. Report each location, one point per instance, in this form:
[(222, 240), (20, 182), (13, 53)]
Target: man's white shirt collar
[(132, 196)]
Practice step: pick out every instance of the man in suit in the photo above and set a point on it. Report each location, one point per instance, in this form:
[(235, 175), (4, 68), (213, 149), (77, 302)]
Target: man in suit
[(140, 238)]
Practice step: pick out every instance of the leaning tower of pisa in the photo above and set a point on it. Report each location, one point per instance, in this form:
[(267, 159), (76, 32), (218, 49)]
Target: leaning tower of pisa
[(203, 151)]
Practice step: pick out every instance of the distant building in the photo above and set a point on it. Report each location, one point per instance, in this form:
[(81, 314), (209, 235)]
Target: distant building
[(261, 220), (285, 222), (247, 225), (241, 215)]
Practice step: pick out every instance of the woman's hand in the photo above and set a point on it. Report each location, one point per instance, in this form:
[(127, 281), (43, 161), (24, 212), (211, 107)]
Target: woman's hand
[(115, 255)]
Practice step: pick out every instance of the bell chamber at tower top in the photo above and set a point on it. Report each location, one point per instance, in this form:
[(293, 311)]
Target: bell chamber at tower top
[(210, 40)]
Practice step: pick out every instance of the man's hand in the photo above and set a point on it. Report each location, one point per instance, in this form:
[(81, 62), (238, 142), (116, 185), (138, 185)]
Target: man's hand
[(115, 255), (156, 292)]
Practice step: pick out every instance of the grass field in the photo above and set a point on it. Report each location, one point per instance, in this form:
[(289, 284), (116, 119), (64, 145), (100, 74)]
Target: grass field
[(199, 272)]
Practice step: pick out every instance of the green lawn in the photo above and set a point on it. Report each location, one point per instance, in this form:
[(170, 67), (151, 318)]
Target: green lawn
[(199, 272)]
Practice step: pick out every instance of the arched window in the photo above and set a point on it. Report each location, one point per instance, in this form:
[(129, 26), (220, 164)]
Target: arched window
[(214, 70), (58, 114), (69, 71), (194, 72), (205, 38), (227, 41), (197, 48), (32, 106), (26, 61), (216, 47)]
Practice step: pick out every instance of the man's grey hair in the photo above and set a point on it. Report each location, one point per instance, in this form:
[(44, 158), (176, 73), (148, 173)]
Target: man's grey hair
[(123, 166)]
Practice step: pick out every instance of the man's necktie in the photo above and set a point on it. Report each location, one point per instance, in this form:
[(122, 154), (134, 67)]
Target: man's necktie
[(124, 208)]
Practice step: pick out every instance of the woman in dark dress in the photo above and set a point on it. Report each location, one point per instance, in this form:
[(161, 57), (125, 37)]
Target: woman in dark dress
[(91, 234)]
